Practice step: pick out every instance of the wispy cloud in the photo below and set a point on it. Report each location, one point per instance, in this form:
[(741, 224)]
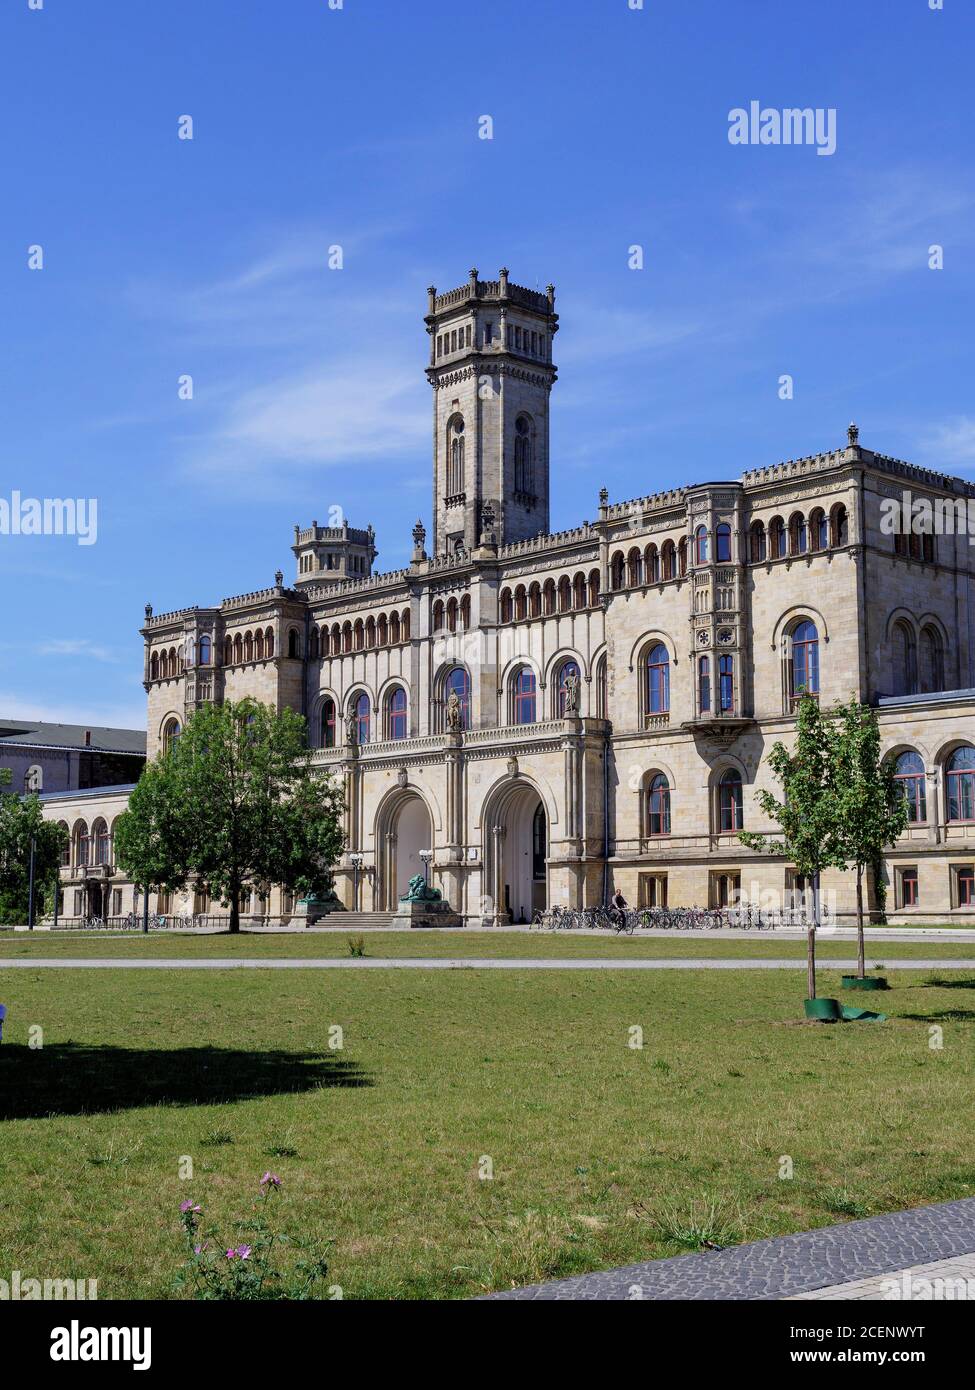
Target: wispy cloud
[(76, 647), (951, 444), (130, 715)]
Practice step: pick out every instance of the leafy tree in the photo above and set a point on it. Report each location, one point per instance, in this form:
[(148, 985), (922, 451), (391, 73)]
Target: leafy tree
[(22, 820), (871, 813), (233, 803), (807, 815)]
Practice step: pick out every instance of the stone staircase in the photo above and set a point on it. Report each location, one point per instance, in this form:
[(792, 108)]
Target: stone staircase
[(360, 921)]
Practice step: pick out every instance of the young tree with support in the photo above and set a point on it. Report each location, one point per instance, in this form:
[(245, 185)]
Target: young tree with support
[(871, 812), (807, 815)]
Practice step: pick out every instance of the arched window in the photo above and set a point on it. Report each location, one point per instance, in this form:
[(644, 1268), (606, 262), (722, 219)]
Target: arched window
[(839, 525), (370, 631), (248, 646), (960, 784), (523, 707), (66, 848), (602, 690), (507, 607), (910, 780), (313, 641), (394, 629), (459, 682), (438, 614), (594, 589), (171, 733), (818, 529), (328, 724), (269, 642), (396, 725), (704, 684), (658, 680), (82, 845), (701, 545), (360, 709), (904, 660), (634, 568), (102, 843), (238, 649), (651, 564), (682, 556), (259, 645), (658, 805), (534, 601), (617, 571), (34, 780), (798, 535), (521, 603), (668, 560), (382, 630), (804, 662), (548, 595), (205, 651), (756, 544), (776, 537), (358, 637), (465, 610), (228, 652), (567, 669), (730, 801), (346, 636), (726, 683), (455, 456), (565, 594), (293, 648), (722, 543), (932, 660), (524, 470)]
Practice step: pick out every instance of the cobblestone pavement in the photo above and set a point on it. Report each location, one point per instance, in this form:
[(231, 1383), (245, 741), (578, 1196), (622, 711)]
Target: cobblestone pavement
[(785, 1266), (941, 1279), (458, 963)]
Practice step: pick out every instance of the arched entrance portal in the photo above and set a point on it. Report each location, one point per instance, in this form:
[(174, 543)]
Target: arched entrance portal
[(408, 830), (517, 854)]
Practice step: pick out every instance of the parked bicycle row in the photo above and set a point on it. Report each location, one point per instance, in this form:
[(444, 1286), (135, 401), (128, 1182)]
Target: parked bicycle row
[(627, 919)]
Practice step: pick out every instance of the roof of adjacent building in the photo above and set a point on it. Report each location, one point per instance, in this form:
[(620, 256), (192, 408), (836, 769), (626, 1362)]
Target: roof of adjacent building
[(36, 733), (86, 793)]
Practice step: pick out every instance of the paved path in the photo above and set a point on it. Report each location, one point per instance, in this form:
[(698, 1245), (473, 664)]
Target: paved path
[(786, 1266), (941, 1279), (964, 936), (459, 963)]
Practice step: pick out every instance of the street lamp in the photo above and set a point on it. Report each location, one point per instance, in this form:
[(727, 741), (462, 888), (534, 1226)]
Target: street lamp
[(356, 861), (30, 899), (426, 855)]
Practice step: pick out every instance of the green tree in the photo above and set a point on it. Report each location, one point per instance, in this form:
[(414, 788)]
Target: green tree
[(807, 815), (21, 821), (233, 803), (871, 813)]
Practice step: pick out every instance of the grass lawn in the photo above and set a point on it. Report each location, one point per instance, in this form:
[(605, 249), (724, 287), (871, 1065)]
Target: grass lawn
[(602, 1154), (522, 945)]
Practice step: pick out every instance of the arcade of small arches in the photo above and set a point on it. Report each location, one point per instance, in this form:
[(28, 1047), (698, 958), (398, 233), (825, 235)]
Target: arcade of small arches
[(386, 630), (542, 600)]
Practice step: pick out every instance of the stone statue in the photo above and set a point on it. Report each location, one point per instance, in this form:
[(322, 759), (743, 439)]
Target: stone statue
[(571, 688), (453, 712), (351, 728), (419, 892)]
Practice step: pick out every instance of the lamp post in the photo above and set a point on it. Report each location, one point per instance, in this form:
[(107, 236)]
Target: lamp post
[(30, 897), (356, 861), (426, 855)]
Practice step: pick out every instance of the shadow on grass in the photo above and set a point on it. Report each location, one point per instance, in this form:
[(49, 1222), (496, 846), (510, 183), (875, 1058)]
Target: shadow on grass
[(936, 982), (942, 1016), (78, 1079)]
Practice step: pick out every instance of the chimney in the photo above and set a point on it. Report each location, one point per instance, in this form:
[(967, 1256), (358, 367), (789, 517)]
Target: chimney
[(87, 738)]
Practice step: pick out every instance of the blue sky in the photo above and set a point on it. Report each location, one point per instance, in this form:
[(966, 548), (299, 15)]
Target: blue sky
[(359, 127)]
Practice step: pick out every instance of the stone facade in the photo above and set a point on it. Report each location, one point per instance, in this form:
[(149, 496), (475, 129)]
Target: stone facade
[(619, 684)]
